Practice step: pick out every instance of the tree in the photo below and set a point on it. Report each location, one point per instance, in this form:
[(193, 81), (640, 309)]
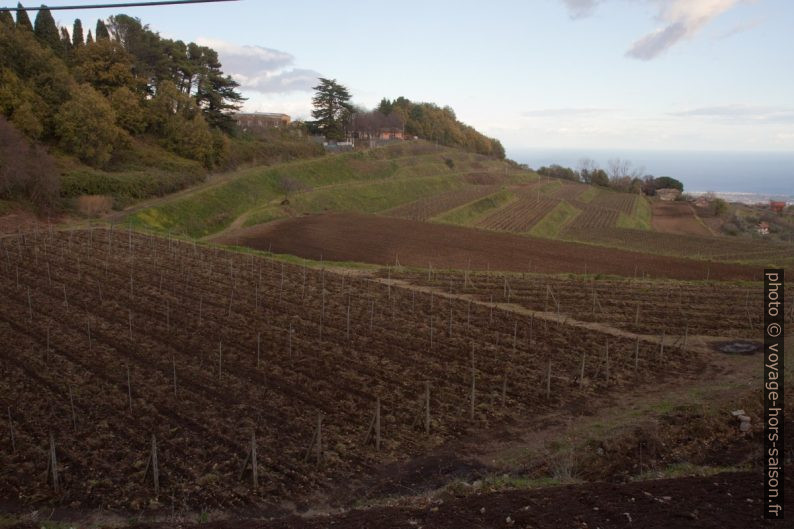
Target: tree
[(23, 20), (77, 33), (130, 114), (46, 30), (86, 126), (6, 19), (599, 177), (89, 39), (667, 182), (105, 65), (101, 32), (332, 108)]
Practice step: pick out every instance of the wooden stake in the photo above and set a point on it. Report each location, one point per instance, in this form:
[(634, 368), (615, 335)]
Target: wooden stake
[(11, 430), (53, 463), (155, 469), (377, 425), (548, 379), (71, 403), (254, 467), (581, 372), (473, 385), (129, 388), (220, 359), (427, 407), (173, 365), (258, 347)]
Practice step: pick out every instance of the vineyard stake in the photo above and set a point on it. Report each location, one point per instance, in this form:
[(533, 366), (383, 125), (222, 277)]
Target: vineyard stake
[(30, 307), (11, 430), (473, 384), (319, 446), (88, 325), (130, 321), (686, 335), (65, 301), (53, 463), (258, 347), (607, 362), (71, 404), (548, 379), (581, 372), (347, 332), (173, 365), (220, 359), (129, 388), (636, 355), (377, 425), (427, 407), (254, 467), (155, 470)]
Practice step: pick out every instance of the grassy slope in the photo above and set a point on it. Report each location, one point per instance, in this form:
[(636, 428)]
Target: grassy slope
[(555, 220), (640, 219), (468, 214), (370, 182)]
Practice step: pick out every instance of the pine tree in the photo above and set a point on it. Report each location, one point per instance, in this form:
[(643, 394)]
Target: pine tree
[(332, 108), (101, 30), (6, 19), (77, 33), (46, 30), (89, 39), (66, 42), (23, 20)]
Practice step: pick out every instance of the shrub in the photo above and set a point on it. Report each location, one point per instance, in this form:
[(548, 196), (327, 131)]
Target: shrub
[(26, 170)]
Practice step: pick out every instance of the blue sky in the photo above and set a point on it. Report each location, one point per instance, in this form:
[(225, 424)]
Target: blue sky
[(594, 74)]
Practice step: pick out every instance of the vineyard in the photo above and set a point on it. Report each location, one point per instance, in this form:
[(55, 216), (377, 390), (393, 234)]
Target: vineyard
[(692, 246), (427, 208), (519, 216), (593, 217), (635, 305), (141, 371)]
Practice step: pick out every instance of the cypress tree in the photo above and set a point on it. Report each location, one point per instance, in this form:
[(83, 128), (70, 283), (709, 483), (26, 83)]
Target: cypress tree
[(46, 30), (66, 41), (89, 39), (6, 19), (77, 33), (101, 30), (23, 20)]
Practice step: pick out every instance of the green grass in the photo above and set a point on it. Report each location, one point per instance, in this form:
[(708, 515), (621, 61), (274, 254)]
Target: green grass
[(640, 219), (374, 196), (362, 181), (588, 194), (550, 187), (555, 220), (467, 214)]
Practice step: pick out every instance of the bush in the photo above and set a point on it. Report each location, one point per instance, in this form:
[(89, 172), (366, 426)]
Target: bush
[(26, 170), (86, 126)]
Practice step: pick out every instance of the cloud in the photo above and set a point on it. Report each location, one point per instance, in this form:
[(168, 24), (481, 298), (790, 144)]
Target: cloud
[(744, 26), (581, 8), (683, 19), (741, 113), (261, 69), (564, 112)]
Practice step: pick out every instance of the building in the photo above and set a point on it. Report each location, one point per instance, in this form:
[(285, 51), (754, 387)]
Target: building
[(257, 122), (763, 228), (777, 207), (668, 194)]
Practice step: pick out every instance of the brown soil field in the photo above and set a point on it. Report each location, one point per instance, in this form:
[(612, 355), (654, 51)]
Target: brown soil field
[(384, 241), (676, 217), (725, 501)]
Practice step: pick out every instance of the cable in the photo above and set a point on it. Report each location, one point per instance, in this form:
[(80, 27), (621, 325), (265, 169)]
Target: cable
[(104, 6)]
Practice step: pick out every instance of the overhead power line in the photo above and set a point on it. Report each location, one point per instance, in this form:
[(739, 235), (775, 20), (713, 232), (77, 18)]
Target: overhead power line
[(113, 6)]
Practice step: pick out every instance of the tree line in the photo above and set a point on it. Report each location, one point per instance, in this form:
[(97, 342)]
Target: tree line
[(620, 175), (334, 116), (89, 94)]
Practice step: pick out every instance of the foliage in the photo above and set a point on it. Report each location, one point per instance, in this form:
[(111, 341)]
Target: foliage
[(86, 126), (332, 109), (6, 19), (23, 20), (435, 124), (557, 171), (26, 170), (148, 85)]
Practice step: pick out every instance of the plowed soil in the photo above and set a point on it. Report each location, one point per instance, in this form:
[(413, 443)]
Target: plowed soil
[(724, 501), (677, 217), (381, 240)]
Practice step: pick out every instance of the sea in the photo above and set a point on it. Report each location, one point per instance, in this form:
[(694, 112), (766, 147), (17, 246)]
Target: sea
[(737, 176)]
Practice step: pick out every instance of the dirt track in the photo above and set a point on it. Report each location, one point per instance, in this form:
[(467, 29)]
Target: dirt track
[(382, 240)]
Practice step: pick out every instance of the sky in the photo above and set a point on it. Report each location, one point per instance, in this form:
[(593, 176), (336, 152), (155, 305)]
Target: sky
[(703, 75)]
